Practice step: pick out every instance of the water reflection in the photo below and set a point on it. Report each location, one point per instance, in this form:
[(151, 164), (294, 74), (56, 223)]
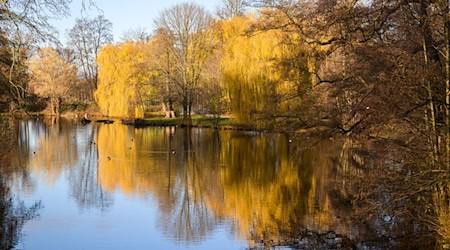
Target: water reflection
[(52, 150), (251, 181), (168, 164), (258, 185), (13, 212), (55, 147)]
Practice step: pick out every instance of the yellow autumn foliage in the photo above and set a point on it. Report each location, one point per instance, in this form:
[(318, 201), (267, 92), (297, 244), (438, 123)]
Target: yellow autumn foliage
[(265, 72), (124, 79), (248, 68)]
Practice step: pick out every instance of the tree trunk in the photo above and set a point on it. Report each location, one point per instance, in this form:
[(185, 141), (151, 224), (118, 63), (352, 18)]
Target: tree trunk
[(187, 121), (184, 114), (168, 109), (164, 109), (432, 117), (168, 106), (447, 91), (54, 106)]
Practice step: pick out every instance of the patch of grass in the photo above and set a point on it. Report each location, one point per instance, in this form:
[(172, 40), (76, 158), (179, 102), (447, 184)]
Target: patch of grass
[(209, 121), (74, 107), (197, 120), (161, 121)]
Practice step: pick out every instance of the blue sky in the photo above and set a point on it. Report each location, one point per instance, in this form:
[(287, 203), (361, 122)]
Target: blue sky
[(125, 15)]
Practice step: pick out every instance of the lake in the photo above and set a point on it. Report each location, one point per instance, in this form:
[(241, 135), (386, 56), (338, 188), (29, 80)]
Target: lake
[(111, 186)]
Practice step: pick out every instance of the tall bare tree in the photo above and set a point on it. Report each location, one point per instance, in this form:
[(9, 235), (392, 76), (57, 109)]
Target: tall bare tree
[(231, 8), (190, 45), (139, 35), (86, 38), (163, 60)]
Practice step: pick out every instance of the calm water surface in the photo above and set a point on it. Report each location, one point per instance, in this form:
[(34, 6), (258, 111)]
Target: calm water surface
[(109, 186)]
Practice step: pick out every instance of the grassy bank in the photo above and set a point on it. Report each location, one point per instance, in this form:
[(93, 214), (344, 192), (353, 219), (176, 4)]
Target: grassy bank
[(197, 121)]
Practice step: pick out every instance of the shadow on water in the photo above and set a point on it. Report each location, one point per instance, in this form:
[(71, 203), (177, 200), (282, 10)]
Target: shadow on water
[(266, 190), (13, 212)]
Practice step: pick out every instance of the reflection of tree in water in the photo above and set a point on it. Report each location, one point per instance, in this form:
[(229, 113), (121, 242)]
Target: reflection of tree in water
[(13, 213), (54, 148), (85, 186), (142, 163), (57, 146), (19, 154), (189, 219), (273, 191), (303, 198), (360, 187), (13, 216), (258, 183)]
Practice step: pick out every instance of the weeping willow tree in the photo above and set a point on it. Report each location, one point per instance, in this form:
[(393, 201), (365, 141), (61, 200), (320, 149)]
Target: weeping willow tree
[(248, 68), (124, 79)]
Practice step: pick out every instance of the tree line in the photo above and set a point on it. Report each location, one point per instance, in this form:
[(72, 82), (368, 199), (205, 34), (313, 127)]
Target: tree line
[(374, 69)]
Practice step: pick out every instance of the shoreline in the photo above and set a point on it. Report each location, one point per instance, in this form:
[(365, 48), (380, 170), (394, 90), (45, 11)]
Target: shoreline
[(198, 121)]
